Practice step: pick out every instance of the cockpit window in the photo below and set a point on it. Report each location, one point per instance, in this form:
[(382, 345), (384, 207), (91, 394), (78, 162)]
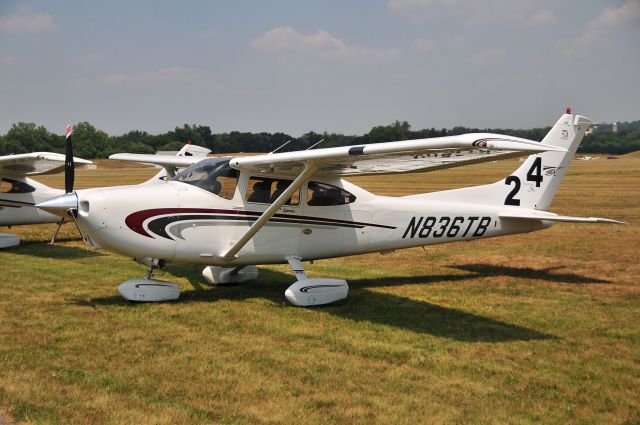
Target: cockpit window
[(15, 186), (264, 190), (322, 194), (213, 175)]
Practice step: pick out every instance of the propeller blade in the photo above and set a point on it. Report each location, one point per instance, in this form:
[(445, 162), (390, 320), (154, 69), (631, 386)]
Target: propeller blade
[(69, 171)]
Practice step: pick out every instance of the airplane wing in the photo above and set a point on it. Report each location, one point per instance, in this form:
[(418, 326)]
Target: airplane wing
[(162, 160), (188, 155), (395, 157), (29, 164)]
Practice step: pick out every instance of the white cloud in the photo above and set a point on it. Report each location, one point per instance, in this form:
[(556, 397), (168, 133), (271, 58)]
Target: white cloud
[(597, 33), (583, 44), (27, 22), (489, 57), (288, 39), (285, 40), (610, 17)]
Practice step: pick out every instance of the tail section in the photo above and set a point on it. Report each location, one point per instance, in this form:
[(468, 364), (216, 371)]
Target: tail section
[(534, 184)]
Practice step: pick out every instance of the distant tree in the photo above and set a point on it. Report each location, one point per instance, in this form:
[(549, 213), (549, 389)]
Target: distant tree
[(26, 137), (88, 141), (389, 133), (91, 143)]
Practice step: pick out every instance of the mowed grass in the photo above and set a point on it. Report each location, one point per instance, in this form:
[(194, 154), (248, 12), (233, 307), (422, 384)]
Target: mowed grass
[(541, 327)]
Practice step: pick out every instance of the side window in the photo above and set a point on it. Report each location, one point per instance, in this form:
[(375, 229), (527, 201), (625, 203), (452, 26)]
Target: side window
[(263, 190), (15, 186), (322, 194)]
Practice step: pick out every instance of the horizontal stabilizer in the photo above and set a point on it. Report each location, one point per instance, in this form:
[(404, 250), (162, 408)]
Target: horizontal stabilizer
[(524, 215)]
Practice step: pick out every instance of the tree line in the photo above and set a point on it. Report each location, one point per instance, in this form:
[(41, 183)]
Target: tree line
[(92, 143)]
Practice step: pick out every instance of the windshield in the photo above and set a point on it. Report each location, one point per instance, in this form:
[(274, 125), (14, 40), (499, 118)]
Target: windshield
[(213, 175)]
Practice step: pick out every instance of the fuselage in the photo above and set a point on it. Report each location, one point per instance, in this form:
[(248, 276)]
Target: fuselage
[(185, 222)]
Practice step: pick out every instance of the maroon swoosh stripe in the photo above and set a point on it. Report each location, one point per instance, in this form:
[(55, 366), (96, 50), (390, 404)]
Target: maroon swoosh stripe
[(135, 220)]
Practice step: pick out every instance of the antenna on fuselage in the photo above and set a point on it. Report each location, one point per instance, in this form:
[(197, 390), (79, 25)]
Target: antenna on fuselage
[(281, 146), (315, 144)]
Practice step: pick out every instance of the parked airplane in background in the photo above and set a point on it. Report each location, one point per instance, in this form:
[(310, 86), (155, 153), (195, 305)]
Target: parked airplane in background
[(233, 213), (18, 193)]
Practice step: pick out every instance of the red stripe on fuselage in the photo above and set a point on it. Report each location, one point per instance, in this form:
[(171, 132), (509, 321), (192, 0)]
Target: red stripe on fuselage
[(135, 221)]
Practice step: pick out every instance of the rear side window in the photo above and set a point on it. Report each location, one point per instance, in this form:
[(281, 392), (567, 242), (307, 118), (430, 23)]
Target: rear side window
[(263, 190), (15, 186), (322, 194)]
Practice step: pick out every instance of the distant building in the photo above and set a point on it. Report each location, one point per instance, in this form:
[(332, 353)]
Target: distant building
[(614, 127)]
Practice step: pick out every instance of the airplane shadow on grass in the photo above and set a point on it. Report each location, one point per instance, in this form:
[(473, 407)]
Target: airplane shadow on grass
[(368, 306), (548, 273)]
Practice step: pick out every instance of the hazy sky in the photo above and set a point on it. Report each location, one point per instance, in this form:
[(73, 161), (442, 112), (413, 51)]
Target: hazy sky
[(336, 66)]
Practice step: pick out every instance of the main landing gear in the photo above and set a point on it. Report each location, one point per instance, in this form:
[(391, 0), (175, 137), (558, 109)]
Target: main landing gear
[(313, 291)]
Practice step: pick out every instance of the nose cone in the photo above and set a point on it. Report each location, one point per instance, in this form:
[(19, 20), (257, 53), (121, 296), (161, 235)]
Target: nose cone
[(60, 204)]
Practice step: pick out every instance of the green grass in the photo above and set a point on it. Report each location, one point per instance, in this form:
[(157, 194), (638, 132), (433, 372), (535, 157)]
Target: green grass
[(542, 327)]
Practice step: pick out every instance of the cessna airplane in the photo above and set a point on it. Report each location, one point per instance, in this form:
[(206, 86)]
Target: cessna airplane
[(18, 193), (233, 213)]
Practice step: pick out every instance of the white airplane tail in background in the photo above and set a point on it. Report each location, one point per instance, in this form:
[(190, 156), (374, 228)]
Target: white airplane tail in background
[(534, 184)]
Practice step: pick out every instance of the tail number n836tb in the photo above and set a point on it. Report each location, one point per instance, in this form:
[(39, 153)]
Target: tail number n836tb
[(450, 227)]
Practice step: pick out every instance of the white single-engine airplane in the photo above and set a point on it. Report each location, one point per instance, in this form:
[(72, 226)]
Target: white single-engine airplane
[(19, 193), (233, 213)]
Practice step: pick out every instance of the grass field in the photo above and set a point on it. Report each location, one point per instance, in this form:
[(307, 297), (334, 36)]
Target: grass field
[(542, 327)]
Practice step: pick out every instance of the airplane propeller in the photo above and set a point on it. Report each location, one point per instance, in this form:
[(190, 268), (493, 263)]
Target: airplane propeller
[(69, 171), (67, 204)]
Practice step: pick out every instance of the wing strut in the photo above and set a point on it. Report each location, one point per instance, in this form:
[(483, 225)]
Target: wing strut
[(307, 172)]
